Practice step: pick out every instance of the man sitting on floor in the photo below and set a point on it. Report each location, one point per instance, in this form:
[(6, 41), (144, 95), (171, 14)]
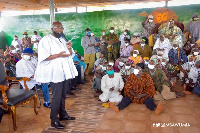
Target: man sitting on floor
[(111, 86), (140, 89), (164, 88)]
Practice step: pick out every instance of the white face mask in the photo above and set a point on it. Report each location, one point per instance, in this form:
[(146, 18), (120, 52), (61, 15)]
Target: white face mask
[(151, 66), (25, 35), (17, 49), (13, 51), (142, 44), (103, 68), (127, 67), (150, 20), (125, 33), (111, 31), (104, 33), (163, 63), (26, 57), (111, 63), (136, 71), (126, 44), (175, 48), (196, 53), (121, 63), (134, 55), (146, 62), (191, 63), (159, 57)]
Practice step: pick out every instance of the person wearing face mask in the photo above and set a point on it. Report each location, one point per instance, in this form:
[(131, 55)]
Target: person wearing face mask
[(35, 40), (144, 49), (148, 26), (99, 73), (135, 40), (173, 32), (139, 89), (126, 71), (145, 61), (135, 58), (195, 54), (88, 43), (56, 66), (194, 26), (16, 43), (126, 49), (26, 41), (112, 41), (164, 88), (111, 86), (177, 56), (124, 37), (103, 44), (196, 89), (192, 77), (163, 44)]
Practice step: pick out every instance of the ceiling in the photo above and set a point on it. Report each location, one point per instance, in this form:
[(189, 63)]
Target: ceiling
[(22, 5)]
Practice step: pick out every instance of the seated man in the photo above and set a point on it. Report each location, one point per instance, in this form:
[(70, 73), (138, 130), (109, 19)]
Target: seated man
[(196, 89), (192, 77), (195, 54), (163, 44), (125, 49), (177, 56), (126, 71), (144, 49), (135, 58), (111, 86), (140, 89), (26, 68), (163, 86)]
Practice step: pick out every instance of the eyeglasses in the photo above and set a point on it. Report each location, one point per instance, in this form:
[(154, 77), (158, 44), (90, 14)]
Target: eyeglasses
[(59, 28)]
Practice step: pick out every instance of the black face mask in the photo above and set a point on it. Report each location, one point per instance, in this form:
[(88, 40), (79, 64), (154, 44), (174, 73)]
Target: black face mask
[(57, 35)]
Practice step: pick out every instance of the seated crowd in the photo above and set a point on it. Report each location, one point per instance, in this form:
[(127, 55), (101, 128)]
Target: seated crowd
[(127, 68)]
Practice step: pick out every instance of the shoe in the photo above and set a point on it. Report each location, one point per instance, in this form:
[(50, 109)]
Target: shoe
[(57, 125), (81, 82), (74, 88), (70, 93), (66, 118), (47, 105)]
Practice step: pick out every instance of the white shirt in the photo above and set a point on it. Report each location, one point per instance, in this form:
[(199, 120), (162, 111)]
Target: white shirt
[(163, 45), (56, 70), (34, 38), (116, 81), (26, 69), (121, 38), (16, 43), (193, 74)]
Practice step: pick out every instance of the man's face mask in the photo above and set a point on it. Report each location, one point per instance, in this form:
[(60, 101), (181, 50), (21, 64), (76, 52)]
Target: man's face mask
[(196, 53), (13, 51), (126, 44), (195, 19), (111, 63), (26, 57), (121, 63), (57, 35), (25, 35), (151, 66), (150, 20), (112, 31), (136, 71), (127, 67), (134, 55), (111, 72), (104, 33), (125, 33), (88, 33)]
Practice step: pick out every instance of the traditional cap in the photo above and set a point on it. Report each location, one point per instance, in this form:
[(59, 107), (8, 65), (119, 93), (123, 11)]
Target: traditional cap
[(25, 33), (28, 51)]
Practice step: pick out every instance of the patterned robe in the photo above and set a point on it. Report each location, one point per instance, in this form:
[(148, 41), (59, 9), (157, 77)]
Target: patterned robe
[(142, 85)]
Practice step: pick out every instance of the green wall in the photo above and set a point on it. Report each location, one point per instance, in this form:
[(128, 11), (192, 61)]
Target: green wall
[(76, 23)]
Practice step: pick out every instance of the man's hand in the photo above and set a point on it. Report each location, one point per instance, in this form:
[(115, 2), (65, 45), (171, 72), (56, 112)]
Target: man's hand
[(138, 96), (111, 89), (32, 76), (98, 44), (63, 54), (69, 44), (90, 45)]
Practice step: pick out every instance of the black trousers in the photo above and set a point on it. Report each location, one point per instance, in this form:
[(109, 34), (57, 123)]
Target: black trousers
[(1, 113), (59, 91), (127, 101)]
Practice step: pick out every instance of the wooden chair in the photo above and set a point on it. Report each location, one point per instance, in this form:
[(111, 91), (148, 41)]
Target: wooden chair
[(12, 98)]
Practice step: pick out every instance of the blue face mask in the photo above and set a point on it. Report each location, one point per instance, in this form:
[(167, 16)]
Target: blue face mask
[(89, 33), (110, 72)]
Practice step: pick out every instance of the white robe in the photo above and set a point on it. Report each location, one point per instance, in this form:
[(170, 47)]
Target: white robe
[(107, 83), (26, 69), (56, 70), (163, 45)]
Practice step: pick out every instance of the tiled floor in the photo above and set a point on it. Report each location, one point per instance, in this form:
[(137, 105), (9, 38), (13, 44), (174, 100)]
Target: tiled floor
[(92, 117)]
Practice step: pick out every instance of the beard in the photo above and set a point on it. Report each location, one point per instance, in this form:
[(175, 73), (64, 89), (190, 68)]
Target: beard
[(57, 35)]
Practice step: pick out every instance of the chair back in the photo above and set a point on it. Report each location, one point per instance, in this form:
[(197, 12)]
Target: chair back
[(3, 80)]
